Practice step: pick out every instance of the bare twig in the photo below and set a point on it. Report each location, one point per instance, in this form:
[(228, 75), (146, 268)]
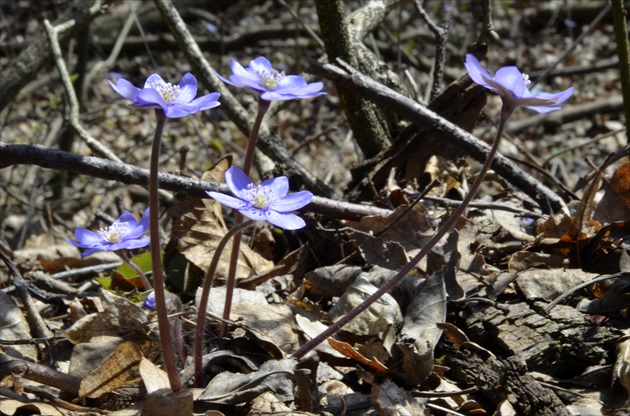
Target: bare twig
[(620, 18), (29, 154), (415, 112), (441, 37), (570, 49), (73, 102), (243, 120)]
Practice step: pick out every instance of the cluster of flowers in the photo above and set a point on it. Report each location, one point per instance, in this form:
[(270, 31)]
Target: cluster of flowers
[(269, 201)]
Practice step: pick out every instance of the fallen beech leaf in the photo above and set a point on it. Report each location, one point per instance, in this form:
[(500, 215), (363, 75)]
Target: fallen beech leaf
[(454, 334), (155, 379), (119, 370), (621, 370), (233, 388), (11, 407), (13, 326), (391, 400), (381, 318), (346, 350), (178, 403), (118, 313)]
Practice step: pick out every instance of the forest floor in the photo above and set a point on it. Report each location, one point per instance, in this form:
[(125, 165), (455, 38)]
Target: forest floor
[(522, 309)]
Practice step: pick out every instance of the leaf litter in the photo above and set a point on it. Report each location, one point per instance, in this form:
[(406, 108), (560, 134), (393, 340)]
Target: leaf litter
[(487, 288)]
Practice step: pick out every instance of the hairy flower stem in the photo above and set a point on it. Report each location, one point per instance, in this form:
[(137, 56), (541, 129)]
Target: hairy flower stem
[(156, 262), (203, 301), (143, 277), (450, 223), (263, 106)]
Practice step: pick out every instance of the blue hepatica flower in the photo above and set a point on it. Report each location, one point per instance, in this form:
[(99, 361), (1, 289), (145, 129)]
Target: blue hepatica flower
[(267, 202), (125, 233), (511, 85), (176, 100), (149, 302), (272, 84)]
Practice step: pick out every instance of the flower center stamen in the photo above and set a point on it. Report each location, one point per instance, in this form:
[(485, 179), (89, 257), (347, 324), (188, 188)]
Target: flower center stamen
[(168, 91), (114, 233), (260, 197), (270, 78), (526, 80)]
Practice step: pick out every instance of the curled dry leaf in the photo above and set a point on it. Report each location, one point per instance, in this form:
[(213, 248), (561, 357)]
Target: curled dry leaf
[(621, 370)]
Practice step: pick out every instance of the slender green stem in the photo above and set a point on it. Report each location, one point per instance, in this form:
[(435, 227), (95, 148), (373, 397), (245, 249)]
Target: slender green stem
[(263, 106), (156, 262), (203, 302), (143, 277), (623, 51), (448, 226)]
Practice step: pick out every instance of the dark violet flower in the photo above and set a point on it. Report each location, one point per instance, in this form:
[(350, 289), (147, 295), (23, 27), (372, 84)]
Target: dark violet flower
[(511, 85), (125, 233), (210, 27), (149, 302), (176, 100), (267, 202), (272, 84)]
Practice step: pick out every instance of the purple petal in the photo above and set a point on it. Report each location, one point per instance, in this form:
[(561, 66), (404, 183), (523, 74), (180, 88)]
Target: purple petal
[(188, 88), (511, 78), (237, 181), (290, 83), (286, 221), (153, 80), (206, 102), (144, 221), (242, 74), (260, 64), (476, 72), (179, 110), (125, 88), (151, 97), (226, 200), (280, 185), (254, 213), (91, 251), (87, 237), (131, 244), (293, 201), (227, 81)]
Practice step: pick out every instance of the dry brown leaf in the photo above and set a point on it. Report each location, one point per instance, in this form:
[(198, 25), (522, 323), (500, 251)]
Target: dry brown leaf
[(11, 407), (13, 327), (621, 370), (406, 227), (197, 230), (118, 314), (346, 350), (178, 403), (391, 400), (120, 369), (155, 379)]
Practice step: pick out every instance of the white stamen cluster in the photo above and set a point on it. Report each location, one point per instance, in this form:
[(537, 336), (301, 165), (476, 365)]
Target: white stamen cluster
[(526, 80), (168, 91), (114, 233), (260, 197), (270, 79)]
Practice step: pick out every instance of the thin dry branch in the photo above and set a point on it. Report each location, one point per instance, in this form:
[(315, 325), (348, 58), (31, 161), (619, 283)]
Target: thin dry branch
[(18, 154), (243, 120), (548, 200)]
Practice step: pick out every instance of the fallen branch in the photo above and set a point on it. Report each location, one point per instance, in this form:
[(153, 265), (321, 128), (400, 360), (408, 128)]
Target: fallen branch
[(30, 154), (421, 115)]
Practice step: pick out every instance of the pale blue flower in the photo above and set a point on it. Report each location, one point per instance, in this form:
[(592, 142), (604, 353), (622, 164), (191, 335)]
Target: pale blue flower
[(176, 100), (125, 233), (272, 84), (266, 202), (511, 85)]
